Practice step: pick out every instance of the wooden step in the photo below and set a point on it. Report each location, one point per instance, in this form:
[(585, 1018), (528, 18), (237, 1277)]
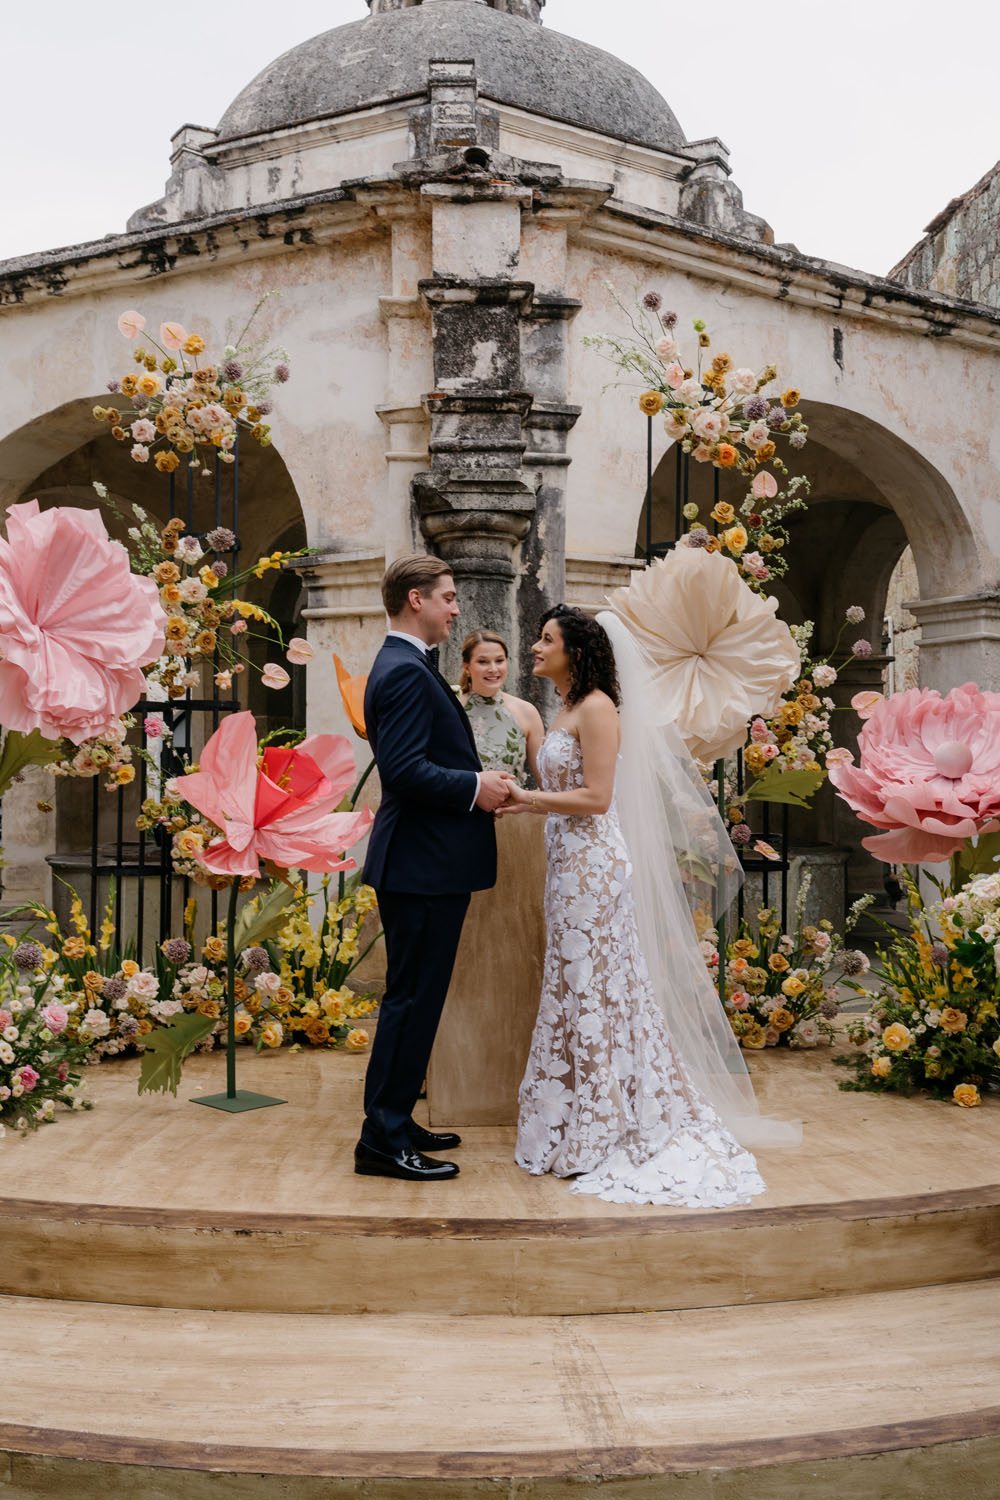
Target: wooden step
[(398, 1405), (159, 1203)]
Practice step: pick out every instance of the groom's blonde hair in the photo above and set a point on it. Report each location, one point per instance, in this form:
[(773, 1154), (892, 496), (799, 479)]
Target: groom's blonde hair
[(419, 571)]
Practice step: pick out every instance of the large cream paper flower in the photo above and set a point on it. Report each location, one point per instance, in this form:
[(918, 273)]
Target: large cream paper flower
[(719, 656)]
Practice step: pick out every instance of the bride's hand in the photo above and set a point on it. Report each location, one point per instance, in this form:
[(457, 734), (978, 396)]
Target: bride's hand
[(518, 801)]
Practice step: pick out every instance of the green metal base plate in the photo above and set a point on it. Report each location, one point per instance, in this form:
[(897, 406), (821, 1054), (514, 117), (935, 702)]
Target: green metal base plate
[(236, 1104)]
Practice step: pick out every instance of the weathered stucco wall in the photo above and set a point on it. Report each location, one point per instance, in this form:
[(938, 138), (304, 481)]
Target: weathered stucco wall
[(960, 252)]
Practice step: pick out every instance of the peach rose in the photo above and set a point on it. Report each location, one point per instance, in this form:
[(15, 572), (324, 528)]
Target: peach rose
[(897, 1037), (356, 1040), (881, 1067), (953, 1020), (966, 1095)]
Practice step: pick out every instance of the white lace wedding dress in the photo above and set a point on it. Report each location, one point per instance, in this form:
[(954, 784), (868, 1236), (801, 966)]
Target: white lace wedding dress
[(604, 1097)]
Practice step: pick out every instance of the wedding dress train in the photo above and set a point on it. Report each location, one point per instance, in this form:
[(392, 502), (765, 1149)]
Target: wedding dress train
[(605, 1097)]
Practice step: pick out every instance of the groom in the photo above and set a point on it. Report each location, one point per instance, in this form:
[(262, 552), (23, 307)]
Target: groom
[(431, 845)]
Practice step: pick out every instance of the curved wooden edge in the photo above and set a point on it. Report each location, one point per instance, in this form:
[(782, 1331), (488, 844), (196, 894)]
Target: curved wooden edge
[(641, 1221), (557, 1463)]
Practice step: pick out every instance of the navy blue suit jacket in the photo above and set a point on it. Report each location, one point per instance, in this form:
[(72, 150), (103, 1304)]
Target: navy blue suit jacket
[(427, 837)]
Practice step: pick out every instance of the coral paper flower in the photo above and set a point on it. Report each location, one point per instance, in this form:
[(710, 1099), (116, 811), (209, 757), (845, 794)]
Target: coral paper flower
[(281, 810), (928, 773), (76, 625), (352, 692), (718, 654)]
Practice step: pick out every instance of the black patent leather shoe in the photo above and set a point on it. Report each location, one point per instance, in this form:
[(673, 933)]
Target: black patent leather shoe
[(407, 1164), (430, 1140)]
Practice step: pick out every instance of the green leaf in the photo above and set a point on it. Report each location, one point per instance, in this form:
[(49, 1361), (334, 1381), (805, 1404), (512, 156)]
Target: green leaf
[(21, 750), (254, 927), (975, 860), (166, 1048), (795, 787)]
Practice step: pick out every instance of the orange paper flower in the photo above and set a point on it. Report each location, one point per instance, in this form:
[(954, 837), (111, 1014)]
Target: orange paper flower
[(352, 691)]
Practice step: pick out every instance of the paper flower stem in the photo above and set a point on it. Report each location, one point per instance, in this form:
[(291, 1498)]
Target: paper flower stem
[(234, 891), (720, 781)]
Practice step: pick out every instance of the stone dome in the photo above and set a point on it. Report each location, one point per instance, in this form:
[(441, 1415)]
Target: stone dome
[(519, 62)]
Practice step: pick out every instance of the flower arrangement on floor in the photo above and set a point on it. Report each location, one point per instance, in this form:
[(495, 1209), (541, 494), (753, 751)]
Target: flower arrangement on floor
[(184, 406), (932, 1024), (928, 776), (782, 988), (40, 1056), (719, 415)]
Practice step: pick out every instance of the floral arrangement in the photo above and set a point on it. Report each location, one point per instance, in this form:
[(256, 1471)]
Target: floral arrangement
[(40, 1056), (184, 406), (318, 960), (719, 414), (781, 988), (933, 1024)]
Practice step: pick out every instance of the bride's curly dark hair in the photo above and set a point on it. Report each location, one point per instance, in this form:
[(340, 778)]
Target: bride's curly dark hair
[(592, 660)]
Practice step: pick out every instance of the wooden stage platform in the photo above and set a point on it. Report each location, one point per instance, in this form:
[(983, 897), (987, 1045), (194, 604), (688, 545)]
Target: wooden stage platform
[(198, 1304)]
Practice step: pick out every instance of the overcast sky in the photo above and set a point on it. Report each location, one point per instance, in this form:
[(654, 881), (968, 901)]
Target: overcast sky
[(851, 123)]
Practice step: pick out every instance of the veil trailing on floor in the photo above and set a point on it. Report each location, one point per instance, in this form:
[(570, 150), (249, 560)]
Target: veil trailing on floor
[(683, 863)]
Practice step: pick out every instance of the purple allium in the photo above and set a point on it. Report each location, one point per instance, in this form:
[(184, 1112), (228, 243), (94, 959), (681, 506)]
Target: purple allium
[(754, 408), (862, 648), (797, 439), (255, 960), (139, 401), (741, 833), (28, 956), (232, 370), (114, 989), (652, 301), (221, 539), (176, 950), (114, 385), (855, 614), (697, 538), (939, 955), (669, 319), (855, 962), (220, 569), (281, 374), (128, 1028), (829, 1009), (265, 408)]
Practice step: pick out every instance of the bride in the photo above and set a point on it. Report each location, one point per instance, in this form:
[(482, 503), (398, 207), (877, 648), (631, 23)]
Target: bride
[(635, 1085)]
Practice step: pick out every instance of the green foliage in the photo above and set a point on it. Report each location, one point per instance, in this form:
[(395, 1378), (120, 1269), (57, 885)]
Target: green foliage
[(794, 787), (167, 1046), (23, 750), (265, 916)]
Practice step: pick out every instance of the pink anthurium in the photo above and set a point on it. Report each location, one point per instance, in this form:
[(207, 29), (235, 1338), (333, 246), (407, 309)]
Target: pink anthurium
[(279, 807)]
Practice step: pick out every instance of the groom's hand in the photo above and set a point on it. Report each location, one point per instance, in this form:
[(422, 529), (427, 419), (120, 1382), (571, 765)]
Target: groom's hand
[(494, 790)]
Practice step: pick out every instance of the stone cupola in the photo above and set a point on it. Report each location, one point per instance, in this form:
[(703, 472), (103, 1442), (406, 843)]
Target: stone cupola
[(528, 10)]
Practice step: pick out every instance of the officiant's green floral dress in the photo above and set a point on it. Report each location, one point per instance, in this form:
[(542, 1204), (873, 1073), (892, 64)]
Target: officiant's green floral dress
[(499, 737)]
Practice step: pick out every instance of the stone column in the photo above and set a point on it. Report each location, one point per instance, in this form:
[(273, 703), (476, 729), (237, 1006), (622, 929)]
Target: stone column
[(477, 501), (959, 640), (344, 614)]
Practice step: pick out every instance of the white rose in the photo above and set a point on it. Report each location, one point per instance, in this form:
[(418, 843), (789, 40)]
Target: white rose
[(267, 984), (666, 346), (144, 985), (709, 425), (95, 1023), (6, 1052), (824, 676), (743, 381), (756, 435), (691, 393), (193, 591)]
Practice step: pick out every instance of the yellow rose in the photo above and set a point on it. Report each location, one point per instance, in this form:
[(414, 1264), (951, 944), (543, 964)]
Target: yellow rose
[(271, 1034), (777, 963), (996, 1046), (92, 980), (790, 398), (149, 385), (755, 758), (727, 457), (723, 513), (318, 1033), (209, 1008), (242, 1022), (356, 1040), (130, 384), (167, 572), (166, 462), (753, 1036), (735, 539), (193, 344), (791, 713), (124, 775), (966, 1095), (781, 1019), (213, 948), (190, 844), (74, 947), (208, 578), (744, 948), (650, 402), (177, 627), (792, 987), (953, 1020), (310, 1008), (881, 1067), (897, 1037), (129, 969)]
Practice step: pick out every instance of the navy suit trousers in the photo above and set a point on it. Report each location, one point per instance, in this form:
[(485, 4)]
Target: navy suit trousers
[(421, 941)]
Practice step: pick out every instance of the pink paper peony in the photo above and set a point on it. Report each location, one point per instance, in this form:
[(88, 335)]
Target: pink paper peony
[(282, 811), (76, 625), (929, 773)]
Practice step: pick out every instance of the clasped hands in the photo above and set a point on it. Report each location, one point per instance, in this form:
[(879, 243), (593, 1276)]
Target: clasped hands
[(499, 793)]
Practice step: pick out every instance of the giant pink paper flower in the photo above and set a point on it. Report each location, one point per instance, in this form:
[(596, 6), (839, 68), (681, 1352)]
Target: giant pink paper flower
[(281, 810), (76, 624), (929, 772)]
